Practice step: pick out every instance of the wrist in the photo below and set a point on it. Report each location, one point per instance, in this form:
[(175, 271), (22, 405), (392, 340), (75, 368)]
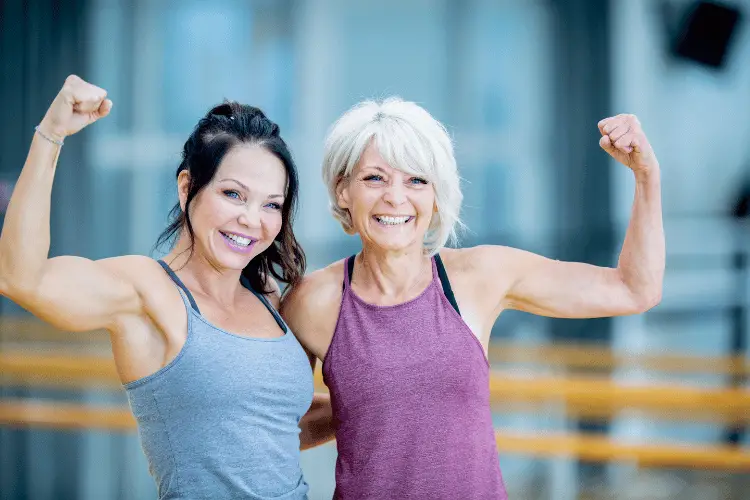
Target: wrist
[(52, 137), (50, 131), (647, 175)]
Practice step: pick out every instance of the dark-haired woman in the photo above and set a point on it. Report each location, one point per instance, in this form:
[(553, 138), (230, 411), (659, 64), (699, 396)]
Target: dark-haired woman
[(218, 383)]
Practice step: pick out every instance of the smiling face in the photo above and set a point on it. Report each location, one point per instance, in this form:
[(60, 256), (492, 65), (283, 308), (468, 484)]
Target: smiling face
[(390, 209), (238, 214)]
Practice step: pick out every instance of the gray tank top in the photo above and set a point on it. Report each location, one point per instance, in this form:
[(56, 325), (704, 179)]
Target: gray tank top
[(221, 420)]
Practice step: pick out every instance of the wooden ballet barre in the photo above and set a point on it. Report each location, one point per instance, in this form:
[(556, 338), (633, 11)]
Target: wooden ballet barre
[(17, 329), (64, 416), (585, 447), (588, 357), (22, 330), (600, 448), (598, 393), (57, 370), (576, 396)]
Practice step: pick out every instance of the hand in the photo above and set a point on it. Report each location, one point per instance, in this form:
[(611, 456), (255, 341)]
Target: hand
[(625, 141), (77, 105)]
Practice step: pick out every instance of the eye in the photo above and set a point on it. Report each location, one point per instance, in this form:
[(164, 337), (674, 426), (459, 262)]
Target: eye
[(231, 193), (373, 177), (274, 206), (418, 180)]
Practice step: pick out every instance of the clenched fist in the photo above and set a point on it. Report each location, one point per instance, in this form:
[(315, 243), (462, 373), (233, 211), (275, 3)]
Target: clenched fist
[(624, 139), (77, 105)]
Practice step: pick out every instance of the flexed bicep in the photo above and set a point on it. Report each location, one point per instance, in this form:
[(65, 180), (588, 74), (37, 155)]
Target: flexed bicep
[(78, 294)]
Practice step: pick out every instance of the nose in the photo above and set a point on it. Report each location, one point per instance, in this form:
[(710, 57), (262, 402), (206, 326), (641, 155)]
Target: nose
[(395, 194), (250, 218)]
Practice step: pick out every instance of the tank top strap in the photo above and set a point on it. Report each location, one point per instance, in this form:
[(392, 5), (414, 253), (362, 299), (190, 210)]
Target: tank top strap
[(276, 316), (445, 282), (438, 275), (177, 281), (349, 271)]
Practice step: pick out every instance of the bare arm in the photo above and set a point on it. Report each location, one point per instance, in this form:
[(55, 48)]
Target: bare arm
[(72, 293), (317, 424), (311, 308), (575, 290)]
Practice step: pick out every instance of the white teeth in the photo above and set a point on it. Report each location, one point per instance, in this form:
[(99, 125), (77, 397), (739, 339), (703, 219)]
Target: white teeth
[(238, 239), (392, 221)]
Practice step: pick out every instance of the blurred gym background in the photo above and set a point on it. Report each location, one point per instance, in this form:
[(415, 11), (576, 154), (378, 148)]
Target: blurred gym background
[(654, 406)]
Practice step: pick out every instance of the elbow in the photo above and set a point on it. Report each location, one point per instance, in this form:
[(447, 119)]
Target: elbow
[(6, 282), (17, 288), (20, 293), (646, 301), (3, 279), (310, 438)]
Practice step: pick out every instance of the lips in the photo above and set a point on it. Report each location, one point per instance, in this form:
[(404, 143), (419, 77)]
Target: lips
[(393, 220), (238, 242)]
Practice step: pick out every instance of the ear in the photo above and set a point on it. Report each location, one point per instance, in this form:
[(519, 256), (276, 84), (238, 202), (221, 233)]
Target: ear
[(342, 192), (183, 184)]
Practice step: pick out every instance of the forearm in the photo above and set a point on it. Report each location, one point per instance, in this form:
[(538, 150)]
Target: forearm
[(642, 259), (317, 424), (25, 239)]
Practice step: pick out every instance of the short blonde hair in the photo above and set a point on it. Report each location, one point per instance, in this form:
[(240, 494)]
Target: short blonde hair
[(409, 139)]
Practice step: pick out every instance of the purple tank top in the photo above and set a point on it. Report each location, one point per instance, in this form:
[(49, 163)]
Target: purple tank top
[(409, 387)]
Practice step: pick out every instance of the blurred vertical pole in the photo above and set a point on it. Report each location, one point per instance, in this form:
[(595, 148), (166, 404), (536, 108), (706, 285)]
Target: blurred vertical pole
[(316, 103), (41, 42), (148, 81), (739, 325), (583, 91), (456, 47), (583, 204), (739, 314)]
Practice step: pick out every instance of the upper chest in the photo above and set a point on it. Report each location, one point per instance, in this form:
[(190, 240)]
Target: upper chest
[(248, 316)]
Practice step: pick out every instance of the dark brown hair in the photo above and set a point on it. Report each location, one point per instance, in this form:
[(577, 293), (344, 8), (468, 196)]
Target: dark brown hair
[(224, 127)]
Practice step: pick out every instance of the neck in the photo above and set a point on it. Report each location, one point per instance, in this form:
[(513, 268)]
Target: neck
[(200, 274), (394, 274)]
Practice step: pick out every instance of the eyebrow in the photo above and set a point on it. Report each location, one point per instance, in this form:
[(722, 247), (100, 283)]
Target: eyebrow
[(273, 196), (381, 169)]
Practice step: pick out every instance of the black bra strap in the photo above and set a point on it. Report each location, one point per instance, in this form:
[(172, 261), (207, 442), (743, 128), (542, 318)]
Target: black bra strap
[(444, 281), (246, 283), (179, 283), (350, 266), (447, 290)]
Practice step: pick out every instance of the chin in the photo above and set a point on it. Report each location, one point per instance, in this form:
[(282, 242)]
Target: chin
[(231, 260), (234, 262), (395, 244)]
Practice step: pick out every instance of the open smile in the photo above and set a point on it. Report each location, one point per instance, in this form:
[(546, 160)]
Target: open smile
[(238, 242), (393, 220)]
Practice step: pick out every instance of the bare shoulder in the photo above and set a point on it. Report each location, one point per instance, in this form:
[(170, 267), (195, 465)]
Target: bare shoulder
[(481, 277), (477, 260), (131, 265), (142, 271), (156, 290), (482, 268), (312, 307), (317, 291)]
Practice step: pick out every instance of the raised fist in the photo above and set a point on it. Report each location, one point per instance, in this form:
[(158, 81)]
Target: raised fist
[(77, 105), (624, 139)]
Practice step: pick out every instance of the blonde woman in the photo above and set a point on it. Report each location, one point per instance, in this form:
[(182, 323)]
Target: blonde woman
[(402, 328)]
